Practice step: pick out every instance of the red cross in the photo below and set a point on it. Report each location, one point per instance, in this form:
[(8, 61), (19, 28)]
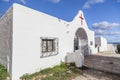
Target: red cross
[(81, 19)]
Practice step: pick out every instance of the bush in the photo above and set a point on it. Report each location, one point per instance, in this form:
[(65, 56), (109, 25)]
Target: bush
[(3, 73), (46, 71), (63, 65), (118, 48), (26, 77)]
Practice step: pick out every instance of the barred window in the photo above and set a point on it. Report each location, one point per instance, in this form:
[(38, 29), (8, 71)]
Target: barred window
[(91, 43), (49, 46)]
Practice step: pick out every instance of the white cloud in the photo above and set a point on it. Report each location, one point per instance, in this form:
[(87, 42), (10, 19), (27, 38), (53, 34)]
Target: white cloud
[(105, 25), (23, 1), (89, 3), (106, 28), (54, 1), (99, 32), (113, 33), (106, 32), (6, 0)]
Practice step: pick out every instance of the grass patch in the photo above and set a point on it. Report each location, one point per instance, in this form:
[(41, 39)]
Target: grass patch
[(60, 72), (3, 72)]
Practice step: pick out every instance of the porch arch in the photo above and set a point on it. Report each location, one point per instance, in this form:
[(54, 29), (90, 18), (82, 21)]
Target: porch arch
[(81, 41)]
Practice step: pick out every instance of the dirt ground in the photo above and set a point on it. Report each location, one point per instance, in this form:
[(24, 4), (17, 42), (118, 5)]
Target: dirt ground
[(91, 74)]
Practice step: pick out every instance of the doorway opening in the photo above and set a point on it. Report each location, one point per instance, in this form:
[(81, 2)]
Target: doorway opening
[(81, 41)]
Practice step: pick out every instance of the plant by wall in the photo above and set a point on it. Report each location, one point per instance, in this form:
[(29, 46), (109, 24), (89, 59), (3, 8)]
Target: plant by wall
[(118, 48)]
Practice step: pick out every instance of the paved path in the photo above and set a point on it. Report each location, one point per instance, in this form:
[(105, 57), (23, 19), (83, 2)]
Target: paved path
[(105, 61)]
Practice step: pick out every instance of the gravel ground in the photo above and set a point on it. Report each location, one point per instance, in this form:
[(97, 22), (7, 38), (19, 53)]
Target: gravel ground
[(91, 74)]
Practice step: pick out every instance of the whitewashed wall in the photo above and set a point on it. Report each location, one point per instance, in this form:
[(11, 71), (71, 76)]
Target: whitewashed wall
[(76, 24), (28, 26), (101, 44), (111, 48), (6, 40)]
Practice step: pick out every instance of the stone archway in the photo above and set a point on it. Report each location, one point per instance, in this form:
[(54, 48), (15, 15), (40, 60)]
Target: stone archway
[(81, 41)]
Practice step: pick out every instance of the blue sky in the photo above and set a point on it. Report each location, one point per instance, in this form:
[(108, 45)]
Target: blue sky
[(102, 16)]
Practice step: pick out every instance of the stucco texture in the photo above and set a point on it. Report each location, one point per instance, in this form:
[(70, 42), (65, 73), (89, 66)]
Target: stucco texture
[(6, 40)]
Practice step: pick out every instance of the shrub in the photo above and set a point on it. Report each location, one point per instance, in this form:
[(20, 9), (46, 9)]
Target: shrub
[(63, 65), (118, 48), (46, 71), (3, 73), (26, 77)]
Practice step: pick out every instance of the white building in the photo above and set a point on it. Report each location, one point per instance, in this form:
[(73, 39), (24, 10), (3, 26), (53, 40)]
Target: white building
[(100, 44), (31, 40), (112, 47)]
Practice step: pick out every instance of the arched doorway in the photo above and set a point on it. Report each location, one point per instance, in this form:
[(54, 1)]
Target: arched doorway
[(81, 41)]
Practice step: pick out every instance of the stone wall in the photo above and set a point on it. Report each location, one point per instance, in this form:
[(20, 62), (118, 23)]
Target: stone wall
[(6, 40)]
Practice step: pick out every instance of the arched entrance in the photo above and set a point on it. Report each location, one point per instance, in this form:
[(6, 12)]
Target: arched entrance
[(81, 41)]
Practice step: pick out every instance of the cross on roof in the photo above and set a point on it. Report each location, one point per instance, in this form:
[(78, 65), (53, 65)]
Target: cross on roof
[(81, 19)]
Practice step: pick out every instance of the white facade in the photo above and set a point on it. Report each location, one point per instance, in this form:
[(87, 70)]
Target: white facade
[(101, 44), (111, 47), (30, 26)]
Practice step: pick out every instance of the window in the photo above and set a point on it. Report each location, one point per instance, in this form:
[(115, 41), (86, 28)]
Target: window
[(91, 43), (49, 46)]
